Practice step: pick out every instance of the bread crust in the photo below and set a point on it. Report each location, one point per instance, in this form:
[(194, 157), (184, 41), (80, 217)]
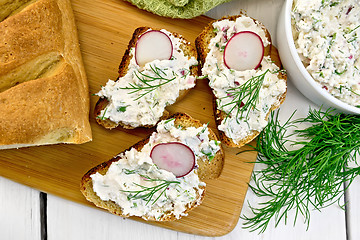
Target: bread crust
[(202, 42), (207, 170), (48, 106), (101, 104)]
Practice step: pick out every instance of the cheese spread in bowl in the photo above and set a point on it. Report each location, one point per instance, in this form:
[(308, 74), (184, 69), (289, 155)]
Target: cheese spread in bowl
[(319, 46)]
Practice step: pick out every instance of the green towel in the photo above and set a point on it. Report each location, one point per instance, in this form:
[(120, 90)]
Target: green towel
[(177, 8)]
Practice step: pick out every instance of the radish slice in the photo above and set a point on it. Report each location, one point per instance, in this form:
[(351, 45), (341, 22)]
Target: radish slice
[(174, 157), (153, 45), (244, 51)]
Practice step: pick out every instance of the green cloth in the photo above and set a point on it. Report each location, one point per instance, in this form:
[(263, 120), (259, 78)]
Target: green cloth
[(177, 8)]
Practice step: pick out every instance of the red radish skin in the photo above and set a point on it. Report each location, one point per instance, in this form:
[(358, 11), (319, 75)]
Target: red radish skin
[(174, 157), (153, 45), (244, 51)]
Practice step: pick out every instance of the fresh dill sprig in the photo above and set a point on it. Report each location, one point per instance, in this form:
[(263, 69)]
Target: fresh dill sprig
[(146, 81), (147, 193), (244, 97), (310, 177)]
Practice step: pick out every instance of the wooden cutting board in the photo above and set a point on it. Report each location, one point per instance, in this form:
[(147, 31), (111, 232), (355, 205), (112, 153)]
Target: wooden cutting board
[(105, 27)]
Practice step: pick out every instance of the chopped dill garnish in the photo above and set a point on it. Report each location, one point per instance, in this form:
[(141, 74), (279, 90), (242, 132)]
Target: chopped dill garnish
[(334, 4), (347, 88), (203, 129), (332, 40), (169, 120), (122, 109), (186, 73), (354, 29), (321, 74), (217, 67), (209, 155), (128, 171), (303, 174), (103, 116), (339, 73), (202, 77)]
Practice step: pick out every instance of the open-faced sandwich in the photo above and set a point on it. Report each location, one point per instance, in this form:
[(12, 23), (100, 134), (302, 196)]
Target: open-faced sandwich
[(157, 69), (235, 54), (160, 177), (44, 96)]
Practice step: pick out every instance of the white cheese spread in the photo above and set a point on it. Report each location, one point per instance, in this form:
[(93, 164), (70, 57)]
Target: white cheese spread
[(139, 98), (226, 83), (326, 35), (135, 172)]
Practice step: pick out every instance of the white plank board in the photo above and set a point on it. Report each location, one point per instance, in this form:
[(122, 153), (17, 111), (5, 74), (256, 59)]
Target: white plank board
[(19, 211), (69, 220), (353, 209), (328, 224)]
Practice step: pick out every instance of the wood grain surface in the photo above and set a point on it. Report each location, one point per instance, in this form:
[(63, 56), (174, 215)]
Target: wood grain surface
[(105, 27)]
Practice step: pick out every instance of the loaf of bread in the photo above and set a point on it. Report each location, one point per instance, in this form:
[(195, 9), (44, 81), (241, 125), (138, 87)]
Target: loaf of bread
[(238, 122), (114, 185), (44, 96), (134, 100)]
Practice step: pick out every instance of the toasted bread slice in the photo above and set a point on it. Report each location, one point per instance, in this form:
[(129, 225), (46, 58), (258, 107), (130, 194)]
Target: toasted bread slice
[(205, 170), (188, 51), (204, 45)]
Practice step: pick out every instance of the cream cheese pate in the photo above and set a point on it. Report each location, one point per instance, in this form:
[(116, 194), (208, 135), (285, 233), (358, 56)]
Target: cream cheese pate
[(326, 36), (224, 81), (131, 99), (136, 171)]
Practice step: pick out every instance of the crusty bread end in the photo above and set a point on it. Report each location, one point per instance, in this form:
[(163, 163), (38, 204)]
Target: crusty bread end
[(44, 96)]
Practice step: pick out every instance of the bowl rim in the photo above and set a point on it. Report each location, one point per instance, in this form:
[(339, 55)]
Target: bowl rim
[(301, 67)]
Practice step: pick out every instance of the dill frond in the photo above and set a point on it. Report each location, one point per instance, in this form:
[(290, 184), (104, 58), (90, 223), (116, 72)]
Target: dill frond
[(310, 177)]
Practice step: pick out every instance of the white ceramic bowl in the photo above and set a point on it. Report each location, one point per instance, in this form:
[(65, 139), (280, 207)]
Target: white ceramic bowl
[(296, 70)]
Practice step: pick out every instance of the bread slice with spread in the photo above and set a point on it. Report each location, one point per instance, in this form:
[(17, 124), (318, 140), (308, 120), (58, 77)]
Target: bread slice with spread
[(158, 68), (158, 185), (245, 91)]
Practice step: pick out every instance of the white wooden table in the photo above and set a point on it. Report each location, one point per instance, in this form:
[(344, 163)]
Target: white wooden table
[(26, 213)]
